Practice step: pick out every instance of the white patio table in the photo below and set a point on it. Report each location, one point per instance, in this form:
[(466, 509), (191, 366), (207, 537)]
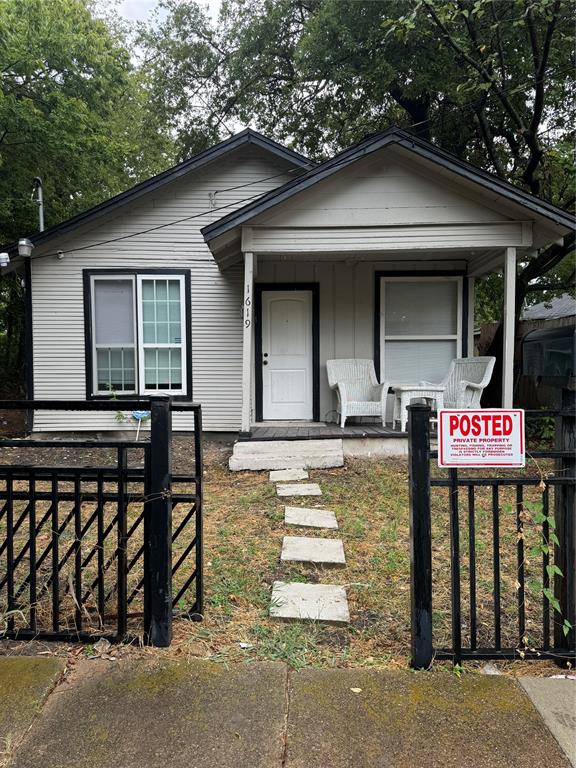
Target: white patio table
[(404, 393)]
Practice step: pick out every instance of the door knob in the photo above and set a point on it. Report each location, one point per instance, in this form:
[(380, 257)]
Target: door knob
[(265, 362)]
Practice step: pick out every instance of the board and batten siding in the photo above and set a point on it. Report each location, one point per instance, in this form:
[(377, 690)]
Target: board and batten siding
[(347, 293), (216, 300)]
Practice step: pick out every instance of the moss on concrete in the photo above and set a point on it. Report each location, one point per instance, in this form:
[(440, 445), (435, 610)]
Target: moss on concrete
[(24, 684), (404, 719)]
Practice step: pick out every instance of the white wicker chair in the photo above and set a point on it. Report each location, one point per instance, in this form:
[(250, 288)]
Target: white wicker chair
[(359, 393), (465, 381)]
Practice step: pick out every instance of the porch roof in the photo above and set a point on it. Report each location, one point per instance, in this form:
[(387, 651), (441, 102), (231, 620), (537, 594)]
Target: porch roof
[(528, 221)]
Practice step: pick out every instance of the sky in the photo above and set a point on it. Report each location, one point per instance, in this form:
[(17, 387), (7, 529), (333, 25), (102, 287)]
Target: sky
[(139, 10)]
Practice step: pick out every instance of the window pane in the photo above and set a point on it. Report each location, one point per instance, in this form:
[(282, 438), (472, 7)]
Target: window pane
[(148, 290), (163, 378), (149, 333), (176, 368), (148, 313), (175, 335), (420, 307), (113, 312), (408, 362), (161, 290), (162, 333), (162, 311)]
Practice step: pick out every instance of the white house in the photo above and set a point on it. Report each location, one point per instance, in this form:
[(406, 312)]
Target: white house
[(231, 278)]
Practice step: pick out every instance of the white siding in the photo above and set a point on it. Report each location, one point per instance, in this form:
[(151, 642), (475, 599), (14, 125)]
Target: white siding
[(216, 344), (384, 189)]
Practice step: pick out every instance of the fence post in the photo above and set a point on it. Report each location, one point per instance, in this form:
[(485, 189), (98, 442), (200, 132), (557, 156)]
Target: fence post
[(564, 513), (199, 472), (420, 535), (158, 529)]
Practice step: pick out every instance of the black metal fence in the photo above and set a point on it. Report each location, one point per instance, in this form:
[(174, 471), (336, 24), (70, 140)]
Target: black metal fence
[(512, 560), (109, 545)]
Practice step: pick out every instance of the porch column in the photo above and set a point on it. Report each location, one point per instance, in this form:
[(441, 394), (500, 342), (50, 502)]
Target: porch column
[(508, 327), (247, 342), (470, 329)]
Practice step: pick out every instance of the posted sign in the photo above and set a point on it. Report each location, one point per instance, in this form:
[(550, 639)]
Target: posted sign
[(481, 438)]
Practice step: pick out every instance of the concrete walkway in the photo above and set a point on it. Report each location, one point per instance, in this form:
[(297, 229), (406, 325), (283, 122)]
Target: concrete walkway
[(149, 712)]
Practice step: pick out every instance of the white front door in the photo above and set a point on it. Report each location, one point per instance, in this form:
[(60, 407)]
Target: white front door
[(287, 354)]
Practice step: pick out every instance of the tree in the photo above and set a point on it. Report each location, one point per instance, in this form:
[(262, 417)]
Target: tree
[(73, 111), (180, 69), (492, 82)]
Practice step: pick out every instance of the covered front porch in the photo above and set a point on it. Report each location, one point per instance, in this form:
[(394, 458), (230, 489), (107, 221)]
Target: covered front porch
[(410, 313), (374, 255)]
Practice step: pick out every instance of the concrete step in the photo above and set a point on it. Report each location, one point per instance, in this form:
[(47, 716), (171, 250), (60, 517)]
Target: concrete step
[(308, 517), (298, 489), (286, 454), (309, 549), (309, 602)]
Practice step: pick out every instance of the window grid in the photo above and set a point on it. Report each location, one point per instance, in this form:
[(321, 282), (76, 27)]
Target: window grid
[(161, 346), (125, 380)]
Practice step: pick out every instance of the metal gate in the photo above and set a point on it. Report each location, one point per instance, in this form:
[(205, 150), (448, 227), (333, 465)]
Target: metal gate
[(528, 540)]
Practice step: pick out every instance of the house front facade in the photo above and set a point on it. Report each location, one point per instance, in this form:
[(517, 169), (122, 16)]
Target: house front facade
[(231, 279)]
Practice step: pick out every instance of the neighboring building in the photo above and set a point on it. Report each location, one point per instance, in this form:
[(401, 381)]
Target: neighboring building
[(547, 352), (232, 278), (544, 351)]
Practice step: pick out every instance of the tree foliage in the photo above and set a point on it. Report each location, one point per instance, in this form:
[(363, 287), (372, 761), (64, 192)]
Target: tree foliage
[(74, 111)]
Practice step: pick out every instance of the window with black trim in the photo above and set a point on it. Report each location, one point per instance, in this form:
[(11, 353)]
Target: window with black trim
[(138, 328)]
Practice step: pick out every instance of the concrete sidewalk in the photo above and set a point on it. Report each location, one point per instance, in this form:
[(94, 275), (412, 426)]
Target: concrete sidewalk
[(145, 713)]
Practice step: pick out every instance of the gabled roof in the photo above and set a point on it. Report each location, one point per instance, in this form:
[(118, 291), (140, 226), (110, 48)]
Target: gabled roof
[(401, 138), (244, 138)]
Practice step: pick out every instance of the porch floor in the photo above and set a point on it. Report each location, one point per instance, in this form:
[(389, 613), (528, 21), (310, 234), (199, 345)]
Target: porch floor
[(318, 431)]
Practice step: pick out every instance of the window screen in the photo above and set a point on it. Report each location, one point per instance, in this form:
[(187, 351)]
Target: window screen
[(420, 332), (114, 335)]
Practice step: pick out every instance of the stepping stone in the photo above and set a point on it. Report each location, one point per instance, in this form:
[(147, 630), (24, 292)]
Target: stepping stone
[(307, 517), (312, 602), (302, 489), (308, 549), (288, 474)]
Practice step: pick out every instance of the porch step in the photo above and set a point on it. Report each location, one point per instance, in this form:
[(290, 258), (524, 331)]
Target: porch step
[(286, 454), (312, 602)]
